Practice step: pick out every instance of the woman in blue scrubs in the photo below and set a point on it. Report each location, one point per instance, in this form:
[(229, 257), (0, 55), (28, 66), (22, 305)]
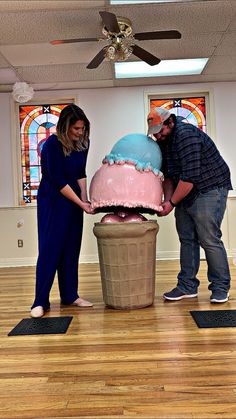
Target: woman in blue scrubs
[(62, 199)]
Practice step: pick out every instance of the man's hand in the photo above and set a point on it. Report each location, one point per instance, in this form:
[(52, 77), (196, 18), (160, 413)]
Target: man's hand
[(167, 208)]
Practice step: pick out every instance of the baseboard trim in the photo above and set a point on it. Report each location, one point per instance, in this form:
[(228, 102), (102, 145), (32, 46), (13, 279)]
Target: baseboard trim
[(93, 258), (12, 262)]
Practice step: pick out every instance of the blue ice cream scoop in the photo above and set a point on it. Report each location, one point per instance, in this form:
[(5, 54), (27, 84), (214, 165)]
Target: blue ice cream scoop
[(138, 149)]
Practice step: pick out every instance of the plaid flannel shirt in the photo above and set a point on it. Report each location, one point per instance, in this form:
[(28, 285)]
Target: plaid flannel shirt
[(191, 155)]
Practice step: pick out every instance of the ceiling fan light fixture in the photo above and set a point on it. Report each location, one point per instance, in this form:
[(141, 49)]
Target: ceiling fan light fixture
[(118, 52), (122, 42)]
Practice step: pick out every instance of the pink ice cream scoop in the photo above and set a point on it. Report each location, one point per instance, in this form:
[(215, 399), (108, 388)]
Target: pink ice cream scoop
[(129, 177)]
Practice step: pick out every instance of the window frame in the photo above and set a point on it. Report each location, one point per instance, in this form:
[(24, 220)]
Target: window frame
[(16, 144), (180, 94)]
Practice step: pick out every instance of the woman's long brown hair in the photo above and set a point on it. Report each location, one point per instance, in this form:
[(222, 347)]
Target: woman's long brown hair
[(68, 117)]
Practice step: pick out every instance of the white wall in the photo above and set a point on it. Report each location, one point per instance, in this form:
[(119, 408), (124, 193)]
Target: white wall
[(113, 112)]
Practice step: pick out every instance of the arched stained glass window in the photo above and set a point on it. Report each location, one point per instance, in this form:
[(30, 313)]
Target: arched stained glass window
[(192, 109), (37, 122)]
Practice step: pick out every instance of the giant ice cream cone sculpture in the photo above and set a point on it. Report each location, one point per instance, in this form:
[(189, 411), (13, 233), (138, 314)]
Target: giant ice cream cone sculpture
[(128, 182)]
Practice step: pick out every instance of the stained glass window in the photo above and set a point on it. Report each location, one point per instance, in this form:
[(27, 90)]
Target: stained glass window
[(37, 122), (192, 109)]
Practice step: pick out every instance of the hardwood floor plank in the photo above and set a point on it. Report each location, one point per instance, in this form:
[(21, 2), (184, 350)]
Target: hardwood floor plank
[(146, 363)]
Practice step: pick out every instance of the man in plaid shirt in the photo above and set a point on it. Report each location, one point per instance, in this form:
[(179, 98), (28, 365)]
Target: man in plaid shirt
[(196, 184)]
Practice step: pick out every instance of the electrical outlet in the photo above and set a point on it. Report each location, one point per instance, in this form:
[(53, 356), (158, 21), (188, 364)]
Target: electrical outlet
[(20, 243), (20, 223)]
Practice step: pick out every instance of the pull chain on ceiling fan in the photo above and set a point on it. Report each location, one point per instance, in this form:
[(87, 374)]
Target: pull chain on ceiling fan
[(121, 42)]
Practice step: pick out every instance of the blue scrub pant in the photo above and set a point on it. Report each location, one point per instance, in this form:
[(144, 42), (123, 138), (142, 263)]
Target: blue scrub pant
[(60, 229)]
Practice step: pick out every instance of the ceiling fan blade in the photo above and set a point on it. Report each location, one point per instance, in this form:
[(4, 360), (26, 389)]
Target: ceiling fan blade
[(146, 36), (97, 60), (145, 55), (110, 21), (71, 41)]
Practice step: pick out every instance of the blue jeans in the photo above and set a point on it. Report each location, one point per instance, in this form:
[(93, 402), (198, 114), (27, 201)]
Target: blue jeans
[(199, 225)]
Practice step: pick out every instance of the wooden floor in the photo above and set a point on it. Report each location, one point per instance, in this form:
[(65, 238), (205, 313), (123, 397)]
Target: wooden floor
[(147, 363)]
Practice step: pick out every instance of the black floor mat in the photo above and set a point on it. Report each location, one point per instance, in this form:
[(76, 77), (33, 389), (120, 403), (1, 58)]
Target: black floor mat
[(41, 326), (214, 318)]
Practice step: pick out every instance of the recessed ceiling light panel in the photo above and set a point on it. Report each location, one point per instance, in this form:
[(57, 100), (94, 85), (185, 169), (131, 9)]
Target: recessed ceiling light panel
[(181, 67), (145, 1)]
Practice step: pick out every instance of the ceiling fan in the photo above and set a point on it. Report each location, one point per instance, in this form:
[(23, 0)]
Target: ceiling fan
[(121, 42)]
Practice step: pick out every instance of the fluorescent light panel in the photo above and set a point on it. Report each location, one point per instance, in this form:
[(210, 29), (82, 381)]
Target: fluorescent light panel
[(133, 69), (145, 1)]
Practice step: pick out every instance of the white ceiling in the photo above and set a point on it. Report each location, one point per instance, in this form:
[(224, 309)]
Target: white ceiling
[(208, 29)]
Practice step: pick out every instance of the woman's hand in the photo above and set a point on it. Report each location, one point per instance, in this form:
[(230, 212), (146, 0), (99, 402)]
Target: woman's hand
[(86, 206)]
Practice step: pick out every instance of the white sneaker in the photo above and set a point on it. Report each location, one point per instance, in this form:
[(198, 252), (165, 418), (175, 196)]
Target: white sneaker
[(37, 312)]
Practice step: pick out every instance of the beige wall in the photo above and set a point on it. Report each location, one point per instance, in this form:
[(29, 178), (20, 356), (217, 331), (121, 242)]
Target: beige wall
[(113, 112), (231, 227), (167, 240)]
